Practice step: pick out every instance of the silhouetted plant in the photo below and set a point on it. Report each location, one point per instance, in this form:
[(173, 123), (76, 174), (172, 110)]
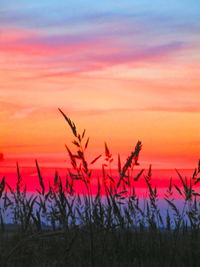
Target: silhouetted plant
[(100, 225)]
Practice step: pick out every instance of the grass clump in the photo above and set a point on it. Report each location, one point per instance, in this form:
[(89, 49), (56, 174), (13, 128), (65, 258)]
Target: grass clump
[(56, 226)]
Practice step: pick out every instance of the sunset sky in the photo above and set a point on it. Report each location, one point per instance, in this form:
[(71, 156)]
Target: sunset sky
[(124, 70)]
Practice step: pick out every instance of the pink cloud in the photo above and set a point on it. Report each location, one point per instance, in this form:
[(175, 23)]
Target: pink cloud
[(69, 55), (32, 42)]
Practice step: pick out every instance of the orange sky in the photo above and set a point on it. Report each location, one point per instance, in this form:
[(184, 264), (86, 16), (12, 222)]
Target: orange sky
[(119, 84)]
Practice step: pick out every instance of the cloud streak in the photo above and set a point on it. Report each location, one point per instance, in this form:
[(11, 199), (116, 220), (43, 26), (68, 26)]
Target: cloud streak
[(95, 112), (70, 54), (23, 113)]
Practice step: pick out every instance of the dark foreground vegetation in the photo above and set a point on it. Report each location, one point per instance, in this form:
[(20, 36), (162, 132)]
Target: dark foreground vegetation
[(58, 227)]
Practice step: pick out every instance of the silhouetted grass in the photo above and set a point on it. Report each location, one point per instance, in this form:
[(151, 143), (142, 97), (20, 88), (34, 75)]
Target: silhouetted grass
[(55, 226)]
